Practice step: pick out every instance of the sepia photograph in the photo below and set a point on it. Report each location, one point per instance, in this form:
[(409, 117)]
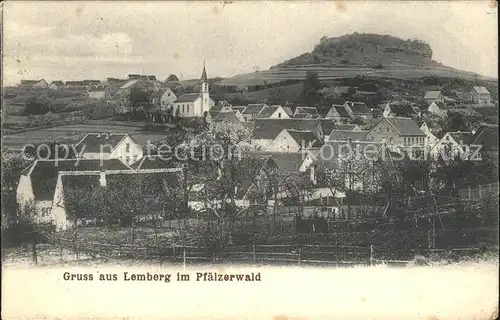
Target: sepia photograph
[(249, 160)]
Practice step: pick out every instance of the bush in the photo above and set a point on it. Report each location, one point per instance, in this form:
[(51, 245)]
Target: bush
[(378, 66)]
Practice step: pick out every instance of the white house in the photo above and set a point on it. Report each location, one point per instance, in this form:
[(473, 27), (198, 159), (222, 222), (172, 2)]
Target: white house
[(109, 146), (431, 96), (273, 112), (438, 108), (453, 144), (480, 95), (167, 98), (196, 105), (66, 180), (38, 181), (290, 140), (430, 139), (98, 93), (56, 85), (35, 84)]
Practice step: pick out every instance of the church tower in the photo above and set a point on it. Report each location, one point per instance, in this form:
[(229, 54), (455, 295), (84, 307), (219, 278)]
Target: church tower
[(205, 97)]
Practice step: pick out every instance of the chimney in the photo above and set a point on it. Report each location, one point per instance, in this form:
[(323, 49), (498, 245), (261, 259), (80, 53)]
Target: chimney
[(102, 178)]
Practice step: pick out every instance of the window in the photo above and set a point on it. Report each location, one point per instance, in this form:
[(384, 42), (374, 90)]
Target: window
[(279, 114), (127, 147), (387, 129), (188, 108)]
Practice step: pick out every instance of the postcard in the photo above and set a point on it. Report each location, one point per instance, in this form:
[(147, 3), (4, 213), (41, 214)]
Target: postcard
[(250, 160)]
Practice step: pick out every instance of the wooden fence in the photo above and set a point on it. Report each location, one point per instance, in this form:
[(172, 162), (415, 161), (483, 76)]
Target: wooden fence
[(305, 254)]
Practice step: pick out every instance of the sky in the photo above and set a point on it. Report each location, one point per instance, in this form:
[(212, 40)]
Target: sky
[(94, 40)]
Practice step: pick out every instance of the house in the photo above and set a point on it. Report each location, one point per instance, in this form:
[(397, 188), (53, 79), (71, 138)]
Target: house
[(289, 140), (310, 111), (431, 96), (358, 110), (163, 99), (238, 108), (453, 144), (343, 90), (132, 84), (397, 131), (93, 83), (430, 139), (252, 110), (265, 131), (272, 112), (338, 113), (56, 85), (438, 108), (480, 95), (114, 82), (152, 182), (229, 116), (221, 106), (37, 182), (98, 93), (109, 146), (76, 85), (34, 84), (399, 110), (486, 136), (194, 105), (346, 135)]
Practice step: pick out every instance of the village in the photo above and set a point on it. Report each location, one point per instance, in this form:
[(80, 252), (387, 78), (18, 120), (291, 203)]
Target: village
[(294, 168)]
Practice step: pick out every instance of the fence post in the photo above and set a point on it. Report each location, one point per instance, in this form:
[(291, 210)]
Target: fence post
[(254, 253), (371, 254), (300, 251)]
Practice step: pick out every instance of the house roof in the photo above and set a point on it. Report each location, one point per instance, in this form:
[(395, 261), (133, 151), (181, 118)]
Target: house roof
[(464, 137), (358, 107), (307, 138), (238, 108), (254, 108), (341, 110), (130, 83), (440, 105), (480, 89), (75, 83), (402, 110), (43, 173), (270, 128), (327, 125), (405, 126), (304, 116), (487, 137), (288, 110), (97, 90), (344, 135), (230, 116), (349, 127), (286, 162), (432, 94), (154, 162), (307, 110), (187, 97), (30, 82), (57, 83), (267, 111), (94, 141)]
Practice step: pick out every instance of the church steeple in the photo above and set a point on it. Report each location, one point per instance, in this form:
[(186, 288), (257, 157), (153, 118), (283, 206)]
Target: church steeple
[(204, 74)]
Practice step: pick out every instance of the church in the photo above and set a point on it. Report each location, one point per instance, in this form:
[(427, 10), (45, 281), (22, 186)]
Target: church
[(194, 104)]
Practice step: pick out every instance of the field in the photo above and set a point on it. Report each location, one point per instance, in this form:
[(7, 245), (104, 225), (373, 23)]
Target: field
[(284, 93), (73, 133), (332, 73)]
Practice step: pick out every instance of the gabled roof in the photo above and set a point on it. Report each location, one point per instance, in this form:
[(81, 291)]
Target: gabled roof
[(349, 127), (270, 128), (341, 110), (154, 162), (131, 83), (440, 105), (358, 107), (267, 111), (30, 82), (230, 116), (43, 173), (481, 90), (288, 110), (305, 138), (487, 137), (287, 162), (327, 125), (254, 108), (94, 141), (187, 97), (402, 110), (304, 116), (432, 94), (405, 126), (57, 83), (307, 110), (464, 137), (345, 135), (238, 108)]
